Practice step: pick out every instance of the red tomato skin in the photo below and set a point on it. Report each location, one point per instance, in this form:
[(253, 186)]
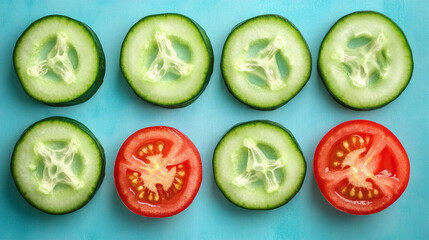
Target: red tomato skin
[(196, 173), (404, 169)]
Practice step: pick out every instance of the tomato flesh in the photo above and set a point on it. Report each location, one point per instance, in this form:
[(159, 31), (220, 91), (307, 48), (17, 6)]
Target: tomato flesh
[(361, 167), (158, 172)]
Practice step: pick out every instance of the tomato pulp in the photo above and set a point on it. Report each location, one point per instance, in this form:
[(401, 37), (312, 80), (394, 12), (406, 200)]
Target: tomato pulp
[(158, 172), (361, 167)]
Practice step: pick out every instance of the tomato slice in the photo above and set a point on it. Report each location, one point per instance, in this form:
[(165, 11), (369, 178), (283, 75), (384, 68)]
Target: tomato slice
[(158, 172), (361, 167)]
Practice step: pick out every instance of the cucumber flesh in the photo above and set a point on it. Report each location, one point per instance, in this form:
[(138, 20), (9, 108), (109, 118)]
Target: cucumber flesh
[(259, 165), (59, 61), (365, 60), (58, 165), (167, 59), (265, 62)]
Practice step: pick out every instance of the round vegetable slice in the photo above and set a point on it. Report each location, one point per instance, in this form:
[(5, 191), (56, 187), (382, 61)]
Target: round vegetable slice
[(259, 165), (58, 165), (365, 60), (265, 62), (59, 61), (167, 59), (361, 167), (158, 172)]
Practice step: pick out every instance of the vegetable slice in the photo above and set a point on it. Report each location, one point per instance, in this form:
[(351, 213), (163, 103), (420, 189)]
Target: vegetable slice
[(265, 62), (58, 165), (259, 165), (361, 167), (158, 172), (59, 61), (167, 59), (365, 60)]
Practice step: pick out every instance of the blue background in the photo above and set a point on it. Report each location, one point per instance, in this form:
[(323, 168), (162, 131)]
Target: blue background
[(114, 113)]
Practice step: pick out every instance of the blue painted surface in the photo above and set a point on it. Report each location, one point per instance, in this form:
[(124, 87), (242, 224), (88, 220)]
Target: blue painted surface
[(114, 112)]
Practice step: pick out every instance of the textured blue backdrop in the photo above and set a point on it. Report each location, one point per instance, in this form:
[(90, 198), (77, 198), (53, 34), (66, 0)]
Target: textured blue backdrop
[(114, 112)]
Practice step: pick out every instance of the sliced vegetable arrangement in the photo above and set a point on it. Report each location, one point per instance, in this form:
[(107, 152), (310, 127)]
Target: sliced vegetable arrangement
[(259, 165), (59, 61), (365, 60), (167, 59), (158, 172), (361, 167), (58, 165), (265, 62)]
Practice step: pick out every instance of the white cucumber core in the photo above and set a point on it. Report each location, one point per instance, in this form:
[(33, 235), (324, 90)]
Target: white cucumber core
[(259, 168), (366, 63), (57, 61), (57, 166), (166, 61), (264, 65)]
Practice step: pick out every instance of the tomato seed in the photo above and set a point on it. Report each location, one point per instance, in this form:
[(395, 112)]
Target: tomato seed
[(177, 186), (352, 192), (346, 145)]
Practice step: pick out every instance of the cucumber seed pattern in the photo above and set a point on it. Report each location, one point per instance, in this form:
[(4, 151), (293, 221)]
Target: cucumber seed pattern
[(57, 61), (57, 166), (259, 167), (365, 61), (166, 61), (264, 64)]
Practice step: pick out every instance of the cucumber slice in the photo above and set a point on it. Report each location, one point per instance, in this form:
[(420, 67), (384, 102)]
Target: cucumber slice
[(167, 59), (259, 165), (59, 61), (265, 62), (365, 60), (58, 165)]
